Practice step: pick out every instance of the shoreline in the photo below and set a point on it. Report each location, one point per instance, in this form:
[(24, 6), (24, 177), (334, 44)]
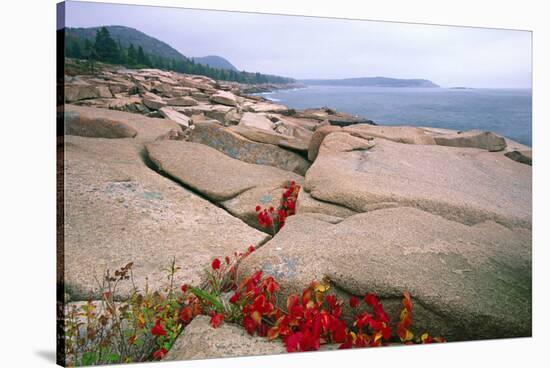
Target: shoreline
[(458, 117)]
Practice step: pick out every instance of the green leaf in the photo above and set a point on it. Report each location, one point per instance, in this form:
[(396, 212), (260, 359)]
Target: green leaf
[(112, 358), (206, 296), (89, 358)]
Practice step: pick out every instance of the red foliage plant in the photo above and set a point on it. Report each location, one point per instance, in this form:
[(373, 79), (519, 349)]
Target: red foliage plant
[(275, 218), (314, 318)]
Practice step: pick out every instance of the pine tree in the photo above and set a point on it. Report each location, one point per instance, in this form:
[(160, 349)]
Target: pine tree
[(132, 55), (90, 54), (106, 48), (141, 59)]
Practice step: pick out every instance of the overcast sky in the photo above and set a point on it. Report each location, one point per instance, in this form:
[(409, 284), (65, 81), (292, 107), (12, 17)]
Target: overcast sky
[(307, 47)]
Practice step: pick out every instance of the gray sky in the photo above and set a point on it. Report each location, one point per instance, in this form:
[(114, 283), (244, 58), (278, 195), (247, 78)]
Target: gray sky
[(307, 47)]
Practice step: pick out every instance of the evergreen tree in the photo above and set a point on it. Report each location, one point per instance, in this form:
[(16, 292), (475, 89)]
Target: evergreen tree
[(142, 58), (106, 48), (90, 54), (132, 55)]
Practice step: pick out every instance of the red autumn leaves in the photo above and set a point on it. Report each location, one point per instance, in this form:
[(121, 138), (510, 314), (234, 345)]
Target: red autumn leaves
[(216, 264), (271, 218), (306, 322), (256, 298), (158, 330), (316, 317)]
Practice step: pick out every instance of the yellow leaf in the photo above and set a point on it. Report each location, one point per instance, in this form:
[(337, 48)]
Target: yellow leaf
[(141, 320), (322, 287), (257, 316)]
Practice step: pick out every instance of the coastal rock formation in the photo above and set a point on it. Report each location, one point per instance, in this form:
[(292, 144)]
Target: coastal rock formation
[(162, 166), (258, 121), (400, 134), (201, 341), (181, 101), (233, 184), (76, 92), (266, 107), (333, 117), (87, 126), (148, 129), (224, 98), (153, 101), (465, 185), (171, 114), (472, 138), (216, 112), (237, 146), (317, 139), (307, 204), (455, 273), (271, 137), (215, 175), (118, 210), (525, 157)]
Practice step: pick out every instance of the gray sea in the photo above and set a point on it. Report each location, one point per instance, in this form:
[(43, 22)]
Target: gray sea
[(504, 111)]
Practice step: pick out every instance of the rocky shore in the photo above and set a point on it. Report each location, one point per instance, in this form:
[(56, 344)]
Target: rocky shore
[(161, 166)]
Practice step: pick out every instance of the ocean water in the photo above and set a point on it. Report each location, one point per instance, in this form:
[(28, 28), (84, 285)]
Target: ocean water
[(503, 111)]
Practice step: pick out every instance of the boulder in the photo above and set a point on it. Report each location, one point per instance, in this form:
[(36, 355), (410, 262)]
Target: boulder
[(400, 134), (466, 282), (177, 117), (244, 205), (225, 140), (118, 210), (153, 101), (224, 98), (162, 89), (148, 129), (189, 83), (267, 107), (129, 104), (333, 117), (96, 127), (212, 173), (232, 117), (216, 112), (258, 121), (200, 96), (309, 124), (76, 92), (524, 157), (271, 137), (175, 135), (181, 101), (200, 341), (305, 203), (294, 127), (182, 91), (317, 139), (466, 185), (472, 138)]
